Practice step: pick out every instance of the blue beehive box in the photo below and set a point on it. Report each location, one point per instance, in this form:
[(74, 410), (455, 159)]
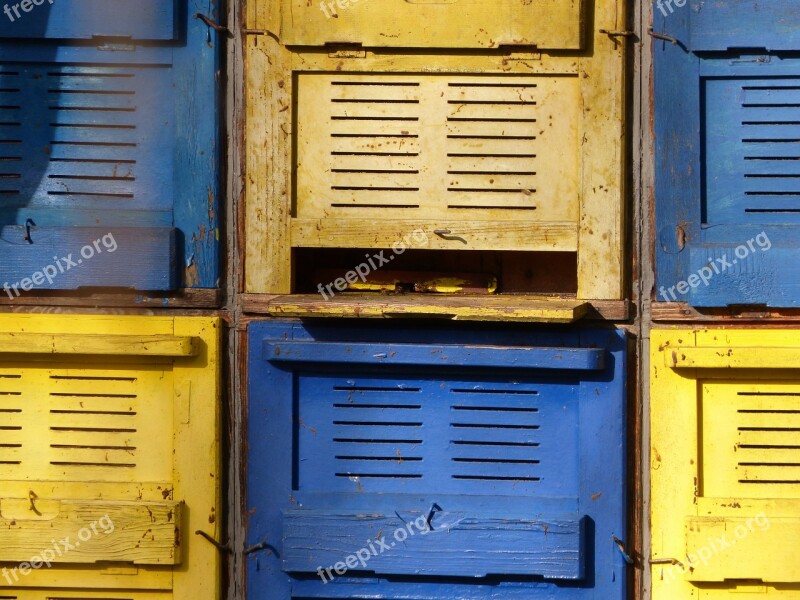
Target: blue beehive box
[(434, 464), (109, 149), (727, 122)]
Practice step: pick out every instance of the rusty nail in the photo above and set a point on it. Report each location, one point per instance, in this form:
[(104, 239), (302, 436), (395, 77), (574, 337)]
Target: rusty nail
[(28, 224), (208, 21), (220, 547), (621, 548), (32, 497), (662, 36)]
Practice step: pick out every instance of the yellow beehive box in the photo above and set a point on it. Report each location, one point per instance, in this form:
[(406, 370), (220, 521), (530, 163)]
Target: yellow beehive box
[(456, 137), (725, 464), (109, 457)]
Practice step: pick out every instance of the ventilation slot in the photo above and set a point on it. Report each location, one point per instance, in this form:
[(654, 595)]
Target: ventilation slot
[(11, 419), (377, 432), (768, 449), (491, 137), (374, 153), (495, 435), (93, 420), (95, 136), (760, 177)]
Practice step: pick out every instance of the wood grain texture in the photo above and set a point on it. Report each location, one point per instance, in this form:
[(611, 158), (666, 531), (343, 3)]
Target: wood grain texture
[(128, 345), (131, 532), (461, 546)]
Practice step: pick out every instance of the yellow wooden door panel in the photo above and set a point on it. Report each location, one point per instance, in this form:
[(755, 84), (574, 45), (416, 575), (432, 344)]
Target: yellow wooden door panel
[(745, 551), (427, 23), (130, 431), (136, 533), (725, 458), (438, 147), (85, 424)]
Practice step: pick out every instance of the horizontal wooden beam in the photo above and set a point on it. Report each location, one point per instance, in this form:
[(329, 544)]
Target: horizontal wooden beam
[(94, 344), (725, 357), (517, 235)]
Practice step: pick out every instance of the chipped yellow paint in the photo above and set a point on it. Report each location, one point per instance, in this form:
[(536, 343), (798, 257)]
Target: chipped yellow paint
[(118, 417), (308, 189), (725, 433)]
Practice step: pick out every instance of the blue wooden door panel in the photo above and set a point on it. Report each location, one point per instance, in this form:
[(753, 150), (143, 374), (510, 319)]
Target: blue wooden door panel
[(69, 258), (517, 466), (456, 544), (82, 19), (768, 24), (115, 133), (727, 145)]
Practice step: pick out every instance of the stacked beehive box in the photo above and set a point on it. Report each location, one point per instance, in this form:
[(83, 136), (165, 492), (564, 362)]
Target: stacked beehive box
[(450, 160), (724, 396), (110, 482)]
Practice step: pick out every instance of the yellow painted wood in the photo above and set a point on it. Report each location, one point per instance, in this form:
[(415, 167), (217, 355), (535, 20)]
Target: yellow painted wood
[(753, 357), (123, 433), (476, 235), (722, 456), (126, 345), (423, 24), (313, 168), (129, 532), (426, 125), (465, 308)]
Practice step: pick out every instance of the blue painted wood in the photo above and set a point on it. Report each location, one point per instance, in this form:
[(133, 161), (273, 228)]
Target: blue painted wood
[(768, 24), (91, 137), (68, 258), (85, 19), (726, 139), (411, 354), (455, 544), (481, 445)]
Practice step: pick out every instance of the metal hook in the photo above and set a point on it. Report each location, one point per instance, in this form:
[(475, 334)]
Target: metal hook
[(261, 546), (28, 224), (220, 547), (663, 36), (216, 27), (32, 497), (446, 234), (612, 34), (621, 548), (434, 508)]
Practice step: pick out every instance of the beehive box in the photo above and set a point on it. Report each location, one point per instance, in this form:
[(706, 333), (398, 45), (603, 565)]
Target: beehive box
[(109, 457), (435, 464), (479, 147), (724, 464), (109, 150), (726, 114)]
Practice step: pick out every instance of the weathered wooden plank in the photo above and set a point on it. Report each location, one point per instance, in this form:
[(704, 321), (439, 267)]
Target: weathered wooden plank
[(410, 354), (132, 532), (126, 345), (733, 357), (463, 545)]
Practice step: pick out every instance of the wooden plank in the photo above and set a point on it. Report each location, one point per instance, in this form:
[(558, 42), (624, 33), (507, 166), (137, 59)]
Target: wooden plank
[(733, 357), (601, 233), (437, 355), (396, 23), (128, 532), (523, 308), (682, 312), (191, 298), (126, 345), (758, 548), (478, 235), (465, 546)]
